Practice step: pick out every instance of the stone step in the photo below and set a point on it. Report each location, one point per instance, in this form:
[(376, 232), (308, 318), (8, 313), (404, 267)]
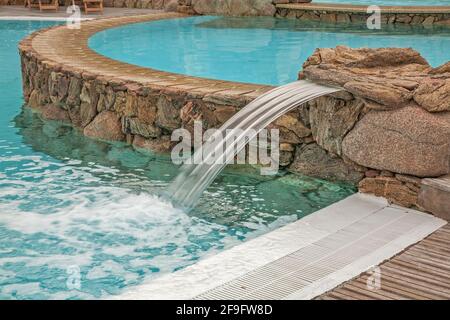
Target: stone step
[(434, 196)]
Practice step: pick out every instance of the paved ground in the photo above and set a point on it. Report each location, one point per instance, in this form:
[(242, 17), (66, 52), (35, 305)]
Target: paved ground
[(420, 272), (20, 11)]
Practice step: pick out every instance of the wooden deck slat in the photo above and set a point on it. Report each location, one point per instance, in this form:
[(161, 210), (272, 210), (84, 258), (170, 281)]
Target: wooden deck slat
[(413, 289), (341, 296), (437, 243), (391, 285), (406, 276), (438, 264), (416, 284), (422, 272), (329, 298), (421, 269), (434, 264), (376, 294), (432, 249), (409, 291), (431, 254), (417, 274), (354, 294)]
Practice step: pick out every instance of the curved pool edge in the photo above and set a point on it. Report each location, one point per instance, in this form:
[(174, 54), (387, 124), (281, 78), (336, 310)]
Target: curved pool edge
[(65, 79), (61, 49)]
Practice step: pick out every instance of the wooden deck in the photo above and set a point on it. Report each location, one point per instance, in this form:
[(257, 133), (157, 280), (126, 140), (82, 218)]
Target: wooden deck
[(421, 272)]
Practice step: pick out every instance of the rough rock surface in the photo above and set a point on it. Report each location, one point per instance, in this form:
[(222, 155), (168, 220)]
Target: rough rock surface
[(105, 126), (51, 112), (388, 77), (157, 145), (312, 160), (331, 119), (434, 94), (409, 140), (291, 128), (390, 188), (402, 132)]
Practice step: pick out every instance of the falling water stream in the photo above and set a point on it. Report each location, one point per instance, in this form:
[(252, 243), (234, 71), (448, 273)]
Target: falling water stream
[(232, 137)]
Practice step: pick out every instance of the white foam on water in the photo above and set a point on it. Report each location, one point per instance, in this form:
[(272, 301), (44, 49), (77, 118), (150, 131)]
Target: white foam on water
[(106, 230)]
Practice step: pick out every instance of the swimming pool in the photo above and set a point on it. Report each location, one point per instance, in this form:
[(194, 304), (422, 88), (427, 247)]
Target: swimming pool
[(72, 208), (259, 50), (389, 2)]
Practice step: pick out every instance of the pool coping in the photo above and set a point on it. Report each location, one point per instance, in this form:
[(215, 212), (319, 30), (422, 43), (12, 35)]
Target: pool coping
[(64, 49)]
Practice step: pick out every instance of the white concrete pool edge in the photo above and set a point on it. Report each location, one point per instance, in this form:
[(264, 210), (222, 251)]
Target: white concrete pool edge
[(226, 266)]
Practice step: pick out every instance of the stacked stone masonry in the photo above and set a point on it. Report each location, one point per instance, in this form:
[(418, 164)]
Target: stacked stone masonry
[(347, 16), (389, 128)]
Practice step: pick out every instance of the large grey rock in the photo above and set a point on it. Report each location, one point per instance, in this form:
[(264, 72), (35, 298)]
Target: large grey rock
[(331, 119), (312, 160), (167, 116), (409, 140), (291, 122), (161, 144), (171, 5), (139, 127), (386, 78), (105, 126), (434, 94)]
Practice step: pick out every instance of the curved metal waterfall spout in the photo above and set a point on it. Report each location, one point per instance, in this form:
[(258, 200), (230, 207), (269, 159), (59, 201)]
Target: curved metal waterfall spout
[(188, 186)]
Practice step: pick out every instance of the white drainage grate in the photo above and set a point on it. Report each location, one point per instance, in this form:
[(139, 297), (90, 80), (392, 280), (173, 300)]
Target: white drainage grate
[(301, 260), (294, 273)]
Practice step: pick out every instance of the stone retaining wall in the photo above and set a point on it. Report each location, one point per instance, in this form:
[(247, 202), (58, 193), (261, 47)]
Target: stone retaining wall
[(342, 16), (387, 131)]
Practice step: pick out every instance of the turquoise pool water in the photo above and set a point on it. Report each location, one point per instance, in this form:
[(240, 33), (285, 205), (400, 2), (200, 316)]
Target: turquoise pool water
[(255, 50), (390, 2), (74, 209)]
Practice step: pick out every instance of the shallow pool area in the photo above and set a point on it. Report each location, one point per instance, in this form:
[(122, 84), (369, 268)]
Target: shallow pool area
[(388, 2), (82, 219), (253, 50)]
